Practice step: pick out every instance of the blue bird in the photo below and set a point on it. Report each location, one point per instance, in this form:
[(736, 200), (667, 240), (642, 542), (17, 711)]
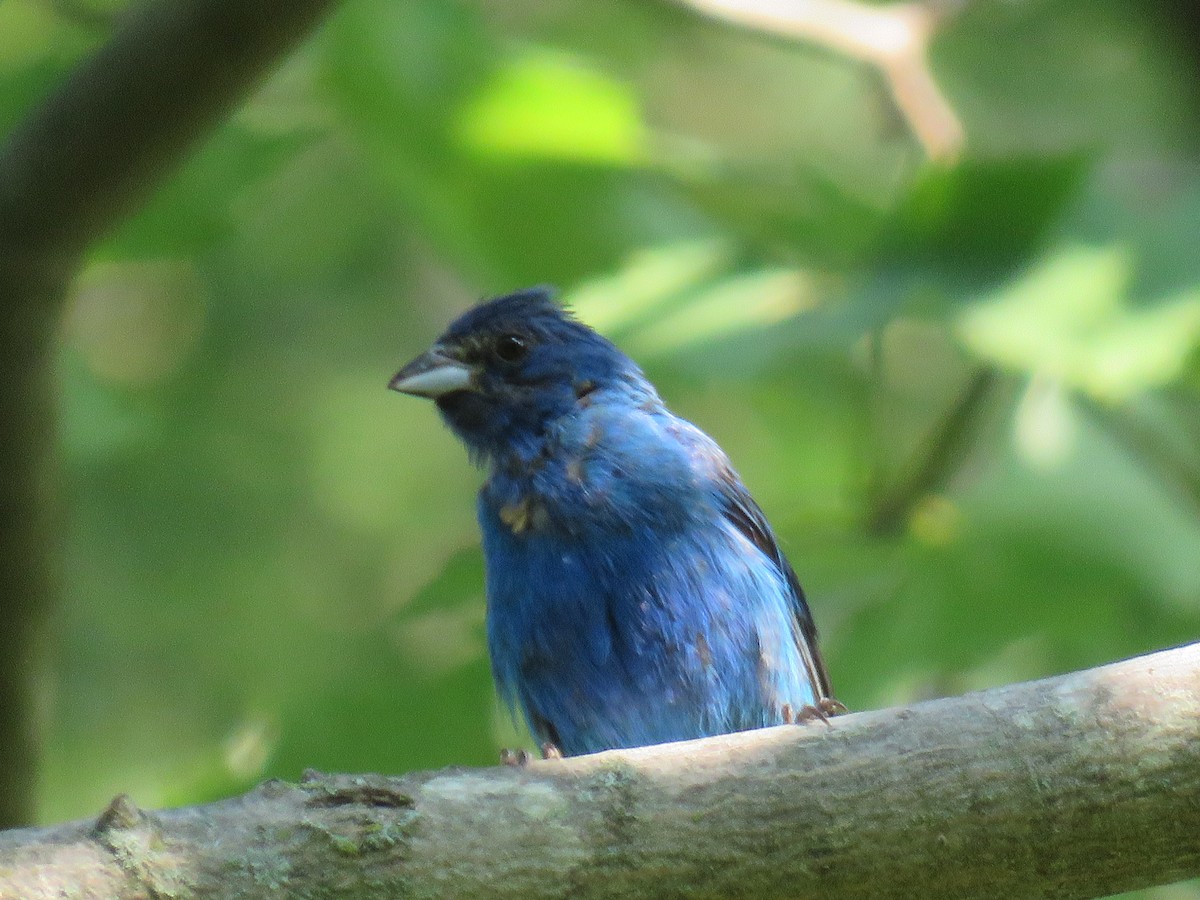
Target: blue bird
[(635, 592)]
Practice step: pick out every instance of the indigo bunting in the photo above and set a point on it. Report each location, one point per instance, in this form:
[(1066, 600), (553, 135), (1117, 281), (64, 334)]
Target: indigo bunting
[(635, 592)]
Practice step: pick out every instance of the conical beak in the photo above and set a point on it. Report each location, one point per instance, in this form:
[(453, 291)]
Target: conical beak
[(432, 374)]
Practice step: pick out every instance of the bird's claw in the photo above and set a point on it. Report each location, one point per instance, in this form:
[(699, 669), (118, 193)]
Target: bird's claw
[(822, 710), (515, 758), (521, 758)]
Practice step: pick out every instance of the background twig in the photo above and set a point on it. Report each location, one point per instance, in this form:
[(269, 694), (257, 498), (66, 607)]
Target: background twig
[(894, 39), (938, 456)]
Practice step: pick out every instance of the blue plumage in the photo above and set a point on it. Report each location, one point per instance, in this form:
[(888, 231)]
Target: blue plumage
[(636, 593)]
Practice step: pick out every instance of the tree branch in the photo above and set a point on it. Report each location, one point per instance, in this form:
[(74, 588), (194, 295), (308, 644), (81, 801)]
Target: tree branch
[(80, 163), (120, 121), (1071, 787), (893, 38), (938, 456)]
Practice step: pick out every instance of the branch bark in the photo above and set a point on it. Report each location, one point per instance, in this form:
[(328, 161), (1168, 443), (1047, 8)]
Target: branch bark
[(1076, 786), (72, 171)]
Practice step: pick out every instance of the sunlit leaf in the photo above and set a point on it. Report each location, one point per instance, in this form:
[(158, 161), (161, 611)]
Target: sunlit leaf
[(548, 105), (722, 309), (650, 278), (1070, 318), (33, 34)]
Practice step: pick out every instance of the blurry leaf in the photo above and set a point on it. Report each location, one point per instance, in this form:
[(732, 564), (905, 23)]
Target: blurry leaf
[(136, 322), (559, 221), (1070, 318), (442, 628), (742, 301), (982, 215), (402, 70), (100, 14), (1097, 509), (684, 296), (1051, 77), (795, 210), (1045, 424), (617, 302), (98, 421), (460, 581), (23, 87), (1152, 206), (397, 74), (549, 105), (32, 34), (196, 208), (550, 213)]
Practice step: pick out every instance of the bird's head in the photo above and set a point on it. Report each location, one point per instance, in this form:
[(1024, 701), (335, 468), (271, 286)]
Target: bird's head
[(506, 369)]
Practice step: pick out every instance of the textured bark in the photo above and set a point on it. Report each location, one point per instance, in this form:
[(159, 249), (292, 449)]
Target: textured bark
[(81, 162), (1076, 786)]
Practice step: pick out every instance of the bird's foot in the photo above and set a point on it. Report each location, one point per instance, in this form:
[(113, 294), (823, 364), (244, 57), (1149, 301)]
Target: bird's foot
[(811, 712), (515, 758), (522, 758), (832, 707)]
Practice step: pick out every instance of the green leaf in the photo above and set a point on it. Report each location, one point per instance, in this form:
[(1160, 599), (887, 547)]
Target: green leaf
[(543, 104), (983, 215), (197, 208), (1070, 318)]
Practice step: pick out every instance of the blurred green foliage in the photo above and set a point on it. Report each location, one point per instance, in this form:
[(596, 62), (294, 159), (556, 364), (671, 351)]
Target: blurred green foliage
[(272, 562)]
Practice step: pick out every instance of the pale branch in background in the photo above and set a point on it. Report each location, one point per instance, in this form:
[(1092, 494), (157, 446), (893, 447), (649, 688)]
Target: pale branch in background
[(1071, 787), (894, 39)]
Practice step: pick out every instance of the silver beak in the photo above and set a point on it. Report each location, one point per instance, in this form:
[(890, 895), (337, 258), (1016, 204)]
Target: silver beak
[(432, 374)]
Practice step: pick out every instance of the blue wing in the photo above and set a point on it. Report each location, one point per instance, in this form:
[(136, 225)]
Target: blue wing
[(748, 518)]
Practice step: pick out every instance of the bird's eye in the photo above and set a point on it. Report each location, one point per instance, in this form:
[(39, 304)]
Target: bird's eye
[(511, 349)]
